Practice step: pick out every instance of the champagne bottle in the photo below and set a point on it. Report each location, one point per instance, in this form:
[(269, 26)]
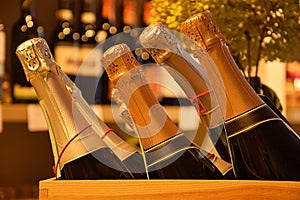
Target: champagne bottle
[(24, 28), (165, 48), (84, 147), (167, 151), (262, 145)]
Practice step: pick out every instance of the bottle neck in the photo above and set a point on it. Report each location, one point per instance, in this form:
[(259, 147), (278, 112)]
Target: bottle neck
[(152, 123), (26, 11), (105, 21), (88, 20), (28, 22), (201, 97), (26, 7), (89, 28), (65, 10), (240, 95), (129, 15)]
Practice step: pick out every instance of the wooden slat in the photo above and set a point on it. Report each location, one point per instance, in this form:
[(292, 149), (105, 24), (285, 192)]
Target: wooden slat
[(172, 189)]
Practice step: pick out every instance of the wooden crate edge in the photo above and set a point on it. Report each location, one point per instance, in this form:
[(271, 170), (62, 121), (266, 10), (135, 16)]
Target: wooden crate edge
[(162, 189)]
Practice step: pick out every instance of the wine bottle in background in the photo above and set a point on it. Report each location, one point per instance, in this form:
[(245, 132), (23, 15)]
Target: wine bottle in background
[(24, 28), (166, 49), (84, 147), (101, 19), (88, 72), (167, 151), (130, 14), (142, 12), (2, 57), (105, 23), (107, 18), (65, 44), (262, 145)]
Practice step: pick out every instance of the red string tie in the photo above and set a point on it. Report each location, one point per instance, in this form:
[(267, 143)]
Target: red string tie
[(194, 101), (54, 168), (106, 133)]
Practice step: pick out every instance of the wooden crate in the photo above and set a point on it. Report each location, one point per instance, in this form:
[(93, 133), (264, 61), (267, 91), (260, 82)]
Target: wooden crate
[(167, 189)]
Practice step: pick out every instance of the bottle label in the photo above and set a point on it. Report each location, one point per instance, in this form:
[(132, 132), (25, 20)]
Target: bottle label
[(249, 120), (64, 14), (24, 93), (75, 60), (91, 65), (68, 57), (88, 18)]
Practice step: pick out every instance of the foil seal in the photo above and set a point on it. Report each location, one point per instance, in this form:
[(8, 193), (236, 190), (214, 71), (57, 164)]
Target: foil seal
[(202, 29), (35, 56), (158, 41), (118, 60)]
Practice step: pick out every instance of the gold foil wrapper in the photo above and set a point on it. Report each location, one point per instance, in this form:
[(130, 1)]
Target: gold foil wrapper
[(35, 56), (118, 60), (202, 29)]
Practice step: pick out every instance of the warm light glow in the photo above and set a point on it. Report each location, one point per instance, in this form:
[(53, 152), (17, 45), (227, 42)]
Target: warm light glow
[(106, 26), (145, 55), (138, 51), (113, 30), (30, 24), (28, 18), (126, 29), (84, 38), (76, 36), (101, 36), (66, 31), (61, 35), (23, 28), (297, 84), (90, 33)]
